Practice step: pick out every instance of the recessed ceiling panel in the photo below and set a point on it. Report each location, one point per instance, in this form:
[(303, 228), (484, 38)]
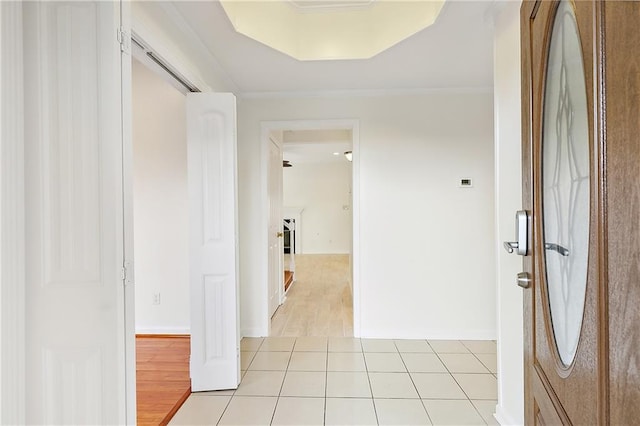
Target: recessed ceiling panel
[(329, 30)]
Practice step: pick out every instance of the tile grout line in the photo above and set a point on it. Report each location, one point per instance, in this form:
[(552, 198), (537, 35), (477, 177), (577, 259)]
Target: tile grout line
[(241, 377), (414, 383), (275, 408), (366, 367), (326, 384), (461, 388), (225, 409), (483, 364)]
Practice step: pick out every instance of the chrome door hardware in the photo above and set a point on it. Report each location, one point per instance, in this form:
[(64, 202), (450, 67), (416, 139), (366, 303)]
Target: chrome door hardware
[(524, 280), (520, 246), (558, 248)]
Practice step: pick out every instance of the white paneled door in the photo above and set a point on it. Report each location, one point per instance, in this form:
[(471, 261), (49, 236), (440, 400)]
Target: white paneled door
[(276, 273), (213, 256), (75, 322)]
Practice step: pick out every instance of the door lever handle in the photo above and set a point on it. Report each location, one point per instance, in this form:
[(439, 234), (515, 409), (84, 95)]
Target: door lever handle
[(510, 246), (521, 245), (557, 247)]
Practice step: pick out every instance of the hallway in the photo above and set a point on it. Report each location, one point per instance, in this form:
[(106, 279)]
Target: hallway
[(320, 380), (319, 302)]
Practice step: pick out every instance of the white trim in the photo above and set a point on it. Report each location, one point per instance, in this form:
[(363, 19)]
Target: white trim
[(12, 216), (253, 332), (458, 334), (144, 34), (364, 93), (266, 127), (127, 207), (196, 41), (504, 418), (163, 330)]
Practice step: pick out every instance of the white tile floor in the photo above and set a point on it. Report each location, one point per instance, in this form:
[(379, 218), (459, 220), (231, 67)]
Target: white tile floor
[(347, 381)]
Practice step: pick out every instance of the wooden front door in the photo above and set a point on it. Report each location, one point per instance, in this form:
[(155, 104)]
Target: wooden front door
[(581, 187)]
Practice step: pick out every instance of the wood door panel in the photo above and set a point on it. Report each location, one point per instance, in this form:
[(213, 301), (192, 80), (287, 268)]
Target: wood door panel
[(548, 410), (559, 394), (602, 385), (622, 84)]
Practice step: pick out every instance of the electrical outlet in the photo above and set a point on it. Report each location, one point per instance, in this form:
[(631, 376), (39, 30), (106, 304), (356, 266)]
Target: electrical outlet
[(156, 298)]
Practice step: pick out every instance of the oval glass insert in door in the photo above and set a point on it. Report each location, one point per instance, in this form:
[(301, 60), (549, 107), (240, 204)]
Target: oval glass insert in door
[(565, 182)]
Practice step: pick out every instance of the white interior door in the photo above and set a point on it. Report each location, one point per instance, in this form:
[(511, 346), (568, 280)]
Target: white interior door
[(75, 322), (213, 258), (276, 273)]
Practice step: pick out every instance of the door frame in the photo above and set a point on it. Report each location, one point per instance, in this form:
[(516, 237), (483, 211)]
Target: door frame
[(266, 127), (151, 42), (281, 298), (12, 217)]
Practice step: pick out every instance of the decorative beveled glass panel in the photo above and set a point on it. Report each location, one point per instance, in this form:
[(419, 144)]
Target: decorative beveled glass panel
[(565, 182)]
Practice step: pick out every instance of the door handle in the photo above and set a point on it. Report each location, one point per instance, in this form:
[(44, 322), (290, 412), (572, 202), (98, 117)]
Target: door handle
[(279, 234), (520, 246), (558, 248)]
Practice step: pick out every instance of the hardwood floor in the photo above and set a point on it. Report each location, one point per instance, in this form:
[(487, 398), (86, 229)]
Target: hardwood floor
[(162, 374), (288, 279), (319, 303)]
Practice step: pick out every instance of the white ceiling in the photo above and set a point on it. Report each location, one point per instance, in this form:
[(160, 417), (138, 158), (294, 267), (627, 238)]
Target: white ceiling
[(455, 52)]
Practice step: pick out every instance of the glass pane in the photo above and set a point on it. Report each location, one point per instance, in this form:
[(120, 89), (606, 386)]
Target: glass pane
[(565, 181)]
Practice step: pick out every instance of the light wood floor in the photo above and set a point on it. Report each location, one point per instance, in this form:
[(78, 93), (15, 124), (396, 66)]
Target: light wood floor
[(162, 377), (319, 302)]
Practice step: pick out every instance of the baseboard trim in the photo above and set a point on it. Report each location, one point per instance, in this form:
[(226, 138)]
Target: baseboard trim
[(505, 419), (252, 332), (429, 334), (163, 331), (164, 336)]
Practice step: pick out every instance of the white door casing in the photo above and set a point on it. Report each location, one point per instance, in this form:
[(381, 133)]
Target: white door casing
[(127, 195), (276, 272), (12, 256), (75, 321), (213, 267), (266, 130)]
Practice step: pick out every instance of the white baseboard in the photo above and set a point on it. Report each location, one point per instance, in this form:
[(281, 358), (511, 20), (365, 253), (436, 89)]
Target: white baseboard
[(163, 330), (428, 334), (505, 419), (252, 332)]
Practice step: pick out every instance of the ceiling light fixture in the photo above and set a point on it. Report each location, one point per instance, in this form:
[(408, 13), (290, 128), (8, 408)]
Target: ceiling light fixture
[(348, 155)]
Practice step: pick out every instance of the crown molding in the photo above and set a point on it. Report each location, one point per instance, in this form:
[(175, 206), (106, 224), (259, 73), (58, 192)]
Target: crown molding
[(365, 93)]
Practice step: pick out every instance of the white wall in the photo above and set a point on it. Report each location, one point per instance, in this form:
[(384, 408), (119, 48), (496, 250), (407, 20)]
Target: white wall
[(427, 252), (160, 204), (322, 190), (510, 409)]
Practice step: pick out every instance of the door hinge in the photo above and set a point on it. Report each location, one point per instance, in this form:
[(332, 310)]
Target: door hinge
[(127, 273), (125, 40)]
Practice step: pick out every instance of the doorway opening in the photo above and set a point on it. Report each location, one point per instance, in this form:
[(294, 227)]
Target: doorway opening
[(160, 239), (317, 202)]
